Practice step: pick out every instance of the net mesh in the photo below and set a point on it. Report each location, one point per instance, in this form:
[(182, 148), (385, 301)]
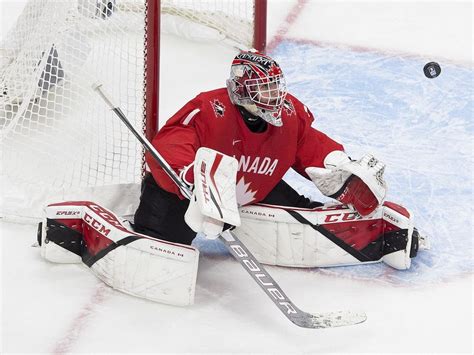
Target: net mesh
[(58, 140), (232, 19)]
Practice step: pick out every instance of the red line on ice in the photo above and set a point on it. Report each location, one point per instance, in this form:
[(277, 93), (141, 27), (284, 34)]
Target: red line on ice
[(295, 12), (71, 335), (374, 50), (355, 48), (285, 26)]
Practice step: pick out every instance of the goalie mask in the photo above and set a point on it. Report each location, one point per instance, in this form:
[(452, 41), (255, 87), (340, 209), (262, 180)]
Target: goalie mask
[(257, 83)]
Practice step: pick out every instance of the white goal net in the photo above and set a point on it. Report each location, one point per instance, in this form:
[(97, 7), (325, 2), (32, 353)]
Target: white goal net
[(58, 140)]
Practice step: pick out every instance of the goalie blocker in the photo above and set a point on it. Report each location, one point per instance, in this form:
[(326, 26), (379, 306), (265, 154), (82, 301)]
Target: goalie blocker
[(331, 235), (83, 231)]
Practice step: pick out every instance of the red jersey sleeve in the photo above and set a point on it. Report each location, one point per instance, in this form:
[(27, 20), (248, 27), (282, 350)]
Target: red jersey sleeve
[(313, 145), (177, 142)]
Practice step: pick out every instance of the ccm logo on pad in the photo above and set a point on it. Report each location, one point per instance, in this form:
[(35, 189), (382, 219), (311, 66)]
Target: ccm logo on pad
[(99, 227), (342, 217)]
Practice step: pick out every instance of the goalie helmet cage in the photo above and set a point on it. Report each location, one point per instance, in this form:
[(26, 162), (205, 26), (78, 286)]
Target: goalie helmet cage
[(58, 140)]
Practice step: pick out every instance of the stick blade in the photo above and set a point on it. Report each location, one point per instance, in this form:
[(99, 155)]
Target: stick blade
[(329, 319)]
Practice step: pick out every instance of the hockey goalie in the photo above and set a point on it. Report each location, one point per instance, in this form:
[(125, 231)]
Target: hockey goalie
[(231, 147)]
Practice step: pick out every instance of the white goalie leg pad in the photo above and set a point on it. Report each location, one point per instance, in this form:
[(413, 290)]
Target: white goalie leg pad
[(139, 265), (151, 269), (332, 235), (275, 237), (128, 261)]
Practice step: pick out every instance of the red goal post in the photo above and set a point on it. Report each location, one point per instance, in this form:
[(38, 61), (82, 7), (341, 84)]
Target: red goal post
[(259, 42)]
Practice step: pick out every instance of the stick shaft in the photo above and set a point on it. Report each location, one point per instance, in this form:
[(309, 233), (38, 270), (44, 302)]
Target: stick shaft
[(146, 144)]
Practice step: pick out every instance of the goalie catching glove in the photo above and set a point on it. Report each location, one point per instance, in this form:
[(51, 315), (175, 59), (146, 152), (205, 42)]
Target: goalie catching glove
[(213, 204), (357, 183)]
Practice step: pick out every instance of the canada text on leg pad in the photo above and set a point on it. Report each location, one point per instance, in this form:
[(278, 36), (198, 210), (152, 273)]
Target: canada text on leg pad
[(125, 260), (330, 235)]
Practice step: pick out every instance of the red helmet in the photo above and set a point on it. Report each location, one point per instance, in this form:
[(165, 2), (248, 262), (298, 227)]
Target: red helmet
[(257, 83)]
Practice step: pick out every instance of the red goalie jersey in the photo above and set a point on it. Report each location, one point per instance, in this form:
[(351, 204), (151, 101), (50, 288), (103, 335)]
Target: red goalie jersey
[(211, 120)]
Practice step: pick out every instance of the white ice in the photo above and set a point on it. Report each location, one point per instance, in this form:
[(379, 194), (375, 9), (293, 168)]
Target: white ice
[(358, 66)]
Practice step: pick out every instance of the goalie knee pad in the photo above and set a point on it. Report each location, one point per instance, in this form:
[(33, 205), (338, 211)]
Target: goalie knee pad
[(331, 235), (125, 260)]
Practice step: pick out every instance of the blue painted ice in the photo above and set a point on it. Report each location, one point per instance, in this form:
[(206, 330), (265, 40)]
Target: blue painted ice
[(421, 128)]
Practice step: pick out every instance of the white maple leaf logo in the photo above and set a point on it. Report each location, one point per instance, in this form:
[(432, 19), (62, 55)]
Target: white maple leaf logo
[(245, 195)]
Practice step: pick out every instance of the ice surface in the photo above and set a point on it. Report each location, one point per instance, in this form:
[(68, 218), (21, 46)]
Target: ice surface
[(372, 101), (421, 128)]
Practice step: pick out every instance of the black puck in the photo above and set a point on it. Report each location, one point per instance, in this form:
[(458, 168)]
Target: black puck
[(432, 70)]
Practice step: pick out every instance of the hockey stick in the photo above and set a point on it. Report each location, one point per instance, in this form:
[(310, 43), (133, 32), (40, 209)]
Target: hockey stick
[(242, 254)]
